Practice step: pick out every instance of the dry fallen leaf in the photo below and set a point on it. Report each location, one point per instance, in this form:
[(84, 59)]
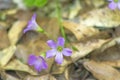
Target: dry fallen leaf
[(6, 76), (110, 54), (4, 41), (85, 48), (43, 77), (19, 66), (51, 26), (103, 17), (112, 63), (16, 31), (21, 53), (80, 31), (102, 71), (6, 55)]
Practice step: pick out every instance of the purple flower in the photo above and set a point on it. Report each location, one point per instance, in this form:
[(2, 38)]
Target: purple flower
[(58, 50), (38, 62), (32, 25), (114, 4)]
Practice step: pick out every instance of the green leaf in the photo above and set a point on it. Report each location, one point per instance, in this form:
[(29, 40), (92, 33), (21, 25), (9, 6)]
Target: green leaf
[(29, 3), (74, 48), (40, 3), (35, 3)]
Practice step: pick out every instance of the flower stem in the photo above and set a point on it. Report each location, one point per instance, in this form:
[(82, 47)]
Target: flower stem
[(41, 30), (60, 18)]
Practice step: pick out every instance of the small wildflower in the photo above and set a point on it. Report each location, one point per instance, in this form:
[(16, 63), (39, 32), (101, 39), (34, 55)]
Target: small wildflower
[(32, 25), (58, 50), (38, 62), (114, 4)]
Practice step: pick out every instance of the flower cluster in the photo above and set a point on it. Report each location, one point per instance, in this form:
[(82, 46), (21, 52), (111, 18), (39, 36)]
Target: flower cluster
[(114, 4), (57, 49)]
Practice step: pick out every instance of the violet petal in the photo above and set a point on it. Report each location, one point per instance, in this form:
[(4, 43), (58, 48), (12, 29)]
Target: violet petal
[(67, 52), (26, 30), (34, 16), (51, 53), (61, 41), (38, 66), (59, 58), (32, 59), (43, 63), (112, 5), (118, 4), (32, 24), (51, 44)]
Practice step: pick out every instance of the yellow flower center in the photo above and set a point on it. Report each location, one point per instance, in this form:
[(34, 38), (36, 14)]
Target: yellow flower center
[(59, 48)]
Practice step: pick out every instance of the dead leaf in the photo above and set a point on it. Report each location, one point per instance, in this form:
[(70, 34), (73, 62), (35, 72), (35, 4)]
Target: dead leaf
[(21, 74), (51, 26), (39, 47), (112, 63), (6, 55), (43, 77), (102, 71), (87, 47), (103, 17), (21, 53), (110, 54), (6, 76), (80, 31), (16, 31), (4, 41), (19, 66), (32, 37)]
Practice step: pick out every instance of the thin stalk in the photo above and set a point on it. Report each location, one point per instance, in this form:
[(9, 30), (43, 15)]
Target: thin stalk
[(60, 19)]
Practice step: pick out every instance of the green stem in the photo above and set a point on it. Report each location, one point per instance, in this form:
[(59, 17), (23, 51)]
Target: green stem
[(60, 19), (41, 30)]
